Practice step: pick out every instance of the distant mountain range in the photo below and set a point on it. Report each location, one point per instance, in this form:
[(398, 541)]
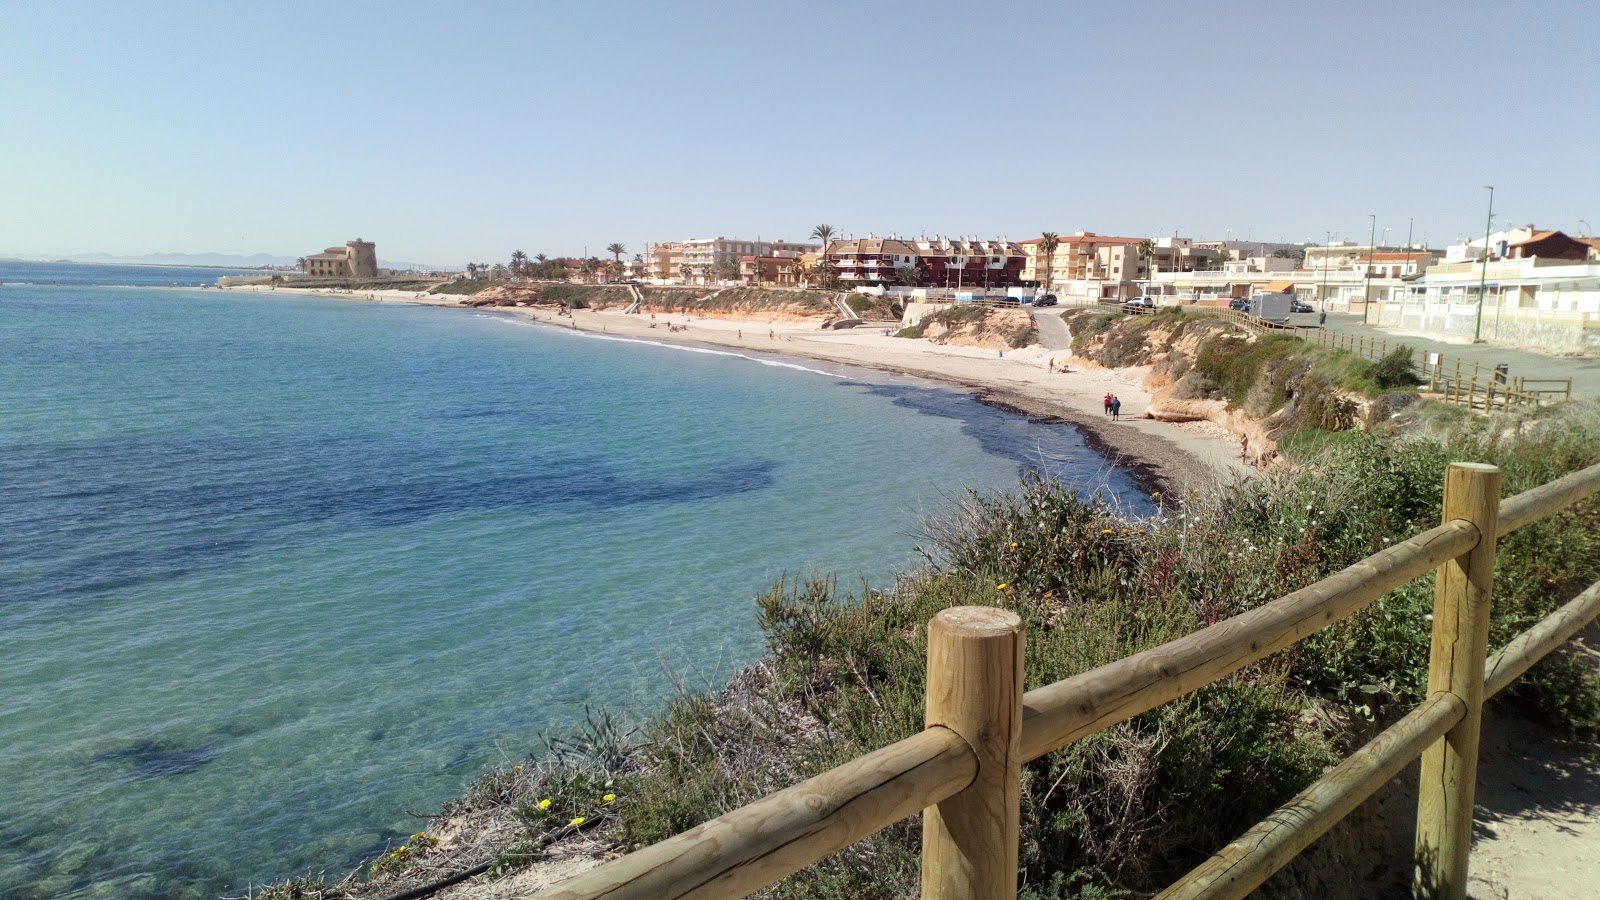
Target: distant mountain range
[(220, 260)]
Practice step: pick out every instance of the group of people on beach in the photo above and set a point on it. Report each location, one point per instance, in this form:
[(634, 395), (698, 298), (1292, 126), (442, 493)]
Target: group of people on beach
[(1113, 405)]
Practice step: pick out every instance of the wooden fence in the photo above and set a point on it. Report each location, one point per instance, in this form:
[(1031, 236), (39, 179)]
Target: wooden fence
[(1452, 378), (962, 771)]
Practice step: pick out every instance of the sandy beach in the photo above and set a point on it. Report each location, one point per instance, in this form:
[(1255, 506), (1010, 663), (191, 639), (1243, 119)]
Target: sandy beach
[(1160, 456)]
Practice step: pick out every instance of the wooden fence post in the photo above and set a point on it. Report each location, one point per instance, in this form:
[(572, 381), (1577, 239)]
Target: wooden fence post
[(969, 842), (1455, 666)]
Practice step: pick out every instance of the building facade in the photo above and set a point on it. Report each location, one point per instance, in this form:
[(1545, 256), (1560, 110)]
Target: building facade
[(930, 262), (1536, 289), (356, 259), (709, 260), (1090, 266)]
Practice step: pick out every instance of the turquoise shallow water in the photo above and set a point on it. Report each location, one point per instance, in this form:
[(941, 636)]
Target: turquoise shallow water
[(275, 570)]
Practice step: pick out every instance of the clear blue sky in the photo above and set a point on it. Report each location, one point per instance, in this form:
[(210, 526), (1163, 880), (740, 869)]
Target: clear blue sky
[(463, 131)]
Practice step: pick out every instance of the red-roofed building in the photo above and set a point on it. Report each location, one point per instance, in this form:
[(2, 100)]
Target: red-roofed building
[(939, 261)]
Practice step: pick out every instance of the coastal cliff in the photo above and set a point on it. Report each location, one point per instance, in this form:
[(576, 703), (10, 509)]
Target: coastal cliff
[(1121, 812), (1260, 387)]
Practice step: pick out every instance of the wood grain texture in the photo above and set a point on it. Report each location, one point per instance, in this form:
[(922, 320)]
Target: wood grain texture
[(1243, 865), (1547, 499), (1519, 655), (970, 841), (1060, 713), (1455, 666), (782, 833)]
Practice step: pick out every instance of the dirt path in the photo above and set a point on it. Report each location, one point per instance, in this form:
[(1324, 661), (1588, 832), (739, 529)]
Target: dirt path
[(1536, 828)]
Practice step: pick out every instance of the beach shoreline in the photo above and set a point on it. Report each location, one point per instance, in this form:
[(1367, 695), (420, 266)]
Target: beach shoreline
[(1159, 457)]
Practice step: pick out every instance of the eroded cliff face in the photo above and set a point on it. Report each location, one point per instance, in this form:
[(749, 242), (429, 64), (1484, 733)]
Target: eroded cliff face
[(1279, 393), (995, 329)]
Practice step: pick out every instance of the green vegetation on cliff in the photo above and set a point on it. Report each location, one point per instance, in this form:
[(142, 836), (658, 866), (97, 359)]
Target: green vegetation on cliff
[(1291, 385), (1121, 812), (1012, 328)]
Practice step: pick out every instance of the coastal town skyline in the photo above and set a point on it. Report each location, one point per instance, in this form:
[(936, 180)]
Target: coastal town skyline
[(185, 129)]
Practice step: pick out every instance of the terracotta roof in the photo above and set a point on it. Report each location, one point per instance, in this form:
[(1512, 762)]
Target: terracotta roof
[(1279, 287), (1536, 236)]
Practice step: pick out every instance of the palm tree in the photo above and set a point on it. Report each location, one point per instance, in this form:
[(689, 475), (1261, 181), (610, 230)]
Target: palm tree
[(589, 267), (823, 233), (1048, 242), (909, 275), (519, 262), (472, 270), (300, 264), (616, 251), (1147, 251)]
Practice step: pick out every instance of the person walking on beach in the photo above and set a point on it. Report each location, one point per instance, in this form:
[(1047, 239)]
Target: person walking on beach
[(1322, 319), (1108, 403), (1116, 407)]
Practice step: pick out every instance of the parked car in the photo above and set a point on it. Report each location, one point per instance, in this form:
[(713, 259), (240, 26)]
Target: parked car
[(1300, 306), (1239, 303), (1045, 300), (1142, 302)]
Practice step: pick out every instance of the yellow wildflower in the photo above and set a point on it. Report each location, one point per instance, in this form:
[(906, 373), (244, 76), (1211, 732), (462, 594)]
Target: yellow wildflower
[(1001, 586), (400, 849), (1106, 531), (608, 798), (579, 820), (545, 803), (519, 767), (1013, 543)]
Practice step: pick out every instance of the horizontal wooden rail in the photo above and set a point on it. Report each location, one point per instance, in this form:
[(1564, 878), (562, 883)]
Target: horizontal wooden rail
[(753, 846), (1547, 499), (1247, 862), (1060, 713), (756, 845), (1243, 865), (1535, 644)]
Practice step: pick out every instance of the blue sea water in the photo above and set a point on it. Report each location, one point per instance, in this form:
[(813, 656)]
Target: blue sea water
[(276, 570), (14, 273)]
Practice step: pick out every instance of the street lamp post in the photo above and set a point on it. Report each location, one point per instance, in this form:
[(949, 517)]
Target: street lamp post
[(1406, 270), (1326, 257), (1372, 252), (1483, 278)]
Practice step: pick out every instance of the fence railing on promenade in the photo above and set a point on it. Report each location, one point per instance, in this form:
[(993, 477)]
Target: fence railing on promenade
[(1455, 380), (962, 770)]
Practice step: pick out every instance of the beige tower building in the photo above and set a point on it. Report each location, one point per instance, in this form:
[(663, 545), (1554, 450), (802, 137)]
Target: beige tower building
[(356, 259)]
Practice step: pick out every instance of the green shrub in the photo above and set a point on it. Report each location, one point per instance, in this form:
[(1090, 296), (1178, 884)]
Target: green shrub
[(1396, 369)]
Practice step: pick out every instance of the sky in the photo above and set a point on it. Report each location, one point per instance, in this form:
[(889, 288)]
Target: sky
[(459, 132)]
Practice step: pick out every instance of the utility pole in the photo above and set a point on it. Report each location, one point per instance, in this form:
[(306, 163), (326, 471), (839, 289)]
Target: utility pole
[(1483, 279), (1326, 258), (1407, 270), (1372, 260)]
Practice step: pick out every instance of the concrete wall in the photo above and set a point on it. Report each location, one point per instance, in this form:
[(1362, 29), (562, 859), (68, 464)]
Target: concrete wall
[(916, 312), (1549, 331)]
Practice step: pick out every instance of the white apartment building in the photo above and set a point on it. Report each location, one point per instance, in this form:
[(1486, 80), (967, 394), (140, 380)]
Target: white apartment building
[(699, 260), (1538, 289)]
